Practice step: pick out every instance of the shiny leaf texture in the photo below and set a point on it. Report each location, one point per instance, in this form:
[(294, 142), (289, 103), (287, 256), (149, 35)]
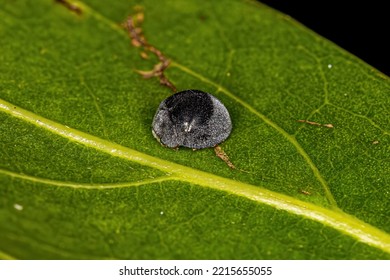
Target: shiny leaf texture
[(81, 176)]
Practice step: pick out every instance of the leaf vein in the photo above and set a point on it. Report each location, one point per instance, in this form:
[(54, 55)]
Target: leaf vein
[(386, 132), (96, 104), (76, 185)]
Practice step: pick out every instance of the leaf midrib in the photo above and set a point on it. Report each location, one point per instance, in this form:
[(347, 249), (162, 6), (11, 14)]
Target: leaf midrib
[(338, 220)]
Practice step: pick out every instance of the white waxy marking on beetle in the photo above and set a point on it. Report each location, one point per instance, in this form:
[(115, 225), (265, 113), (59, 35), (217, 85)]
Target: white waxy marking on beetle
[(188, 127), (193, 119)]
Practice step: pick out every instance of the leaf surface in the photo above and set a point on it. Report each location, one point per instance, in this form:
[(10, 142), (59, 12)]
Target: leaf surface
[(81, 175)]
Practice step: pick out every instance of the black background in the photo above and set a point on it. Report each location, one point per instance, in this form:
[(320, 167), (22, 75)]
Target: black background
[(360, 27)]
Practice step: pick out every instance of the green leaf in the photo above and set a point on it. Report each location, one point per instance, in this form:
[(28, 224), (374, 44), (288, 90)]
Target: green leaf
[(81, 175)]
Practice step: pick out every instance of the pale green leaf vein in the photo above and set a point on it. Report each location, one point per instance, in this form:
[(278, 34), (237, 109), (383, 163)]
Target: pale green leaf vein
[(338, 220), (384, 131), (95, 102), (76, 185)]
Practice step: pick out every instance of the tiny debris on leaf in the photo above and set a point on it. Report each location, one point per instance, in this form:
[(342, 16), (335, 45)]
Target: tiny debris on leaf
[(222, 155), (328, 125), (305, 192), (18, 207), (144, 55), (133, 26), (70, 6)]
